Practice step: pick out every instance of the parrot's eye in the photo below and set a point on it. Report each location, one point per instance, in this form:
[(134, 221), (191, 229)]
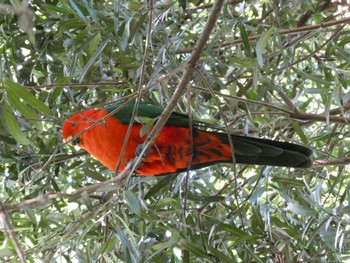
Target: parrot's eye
[(73, 124)]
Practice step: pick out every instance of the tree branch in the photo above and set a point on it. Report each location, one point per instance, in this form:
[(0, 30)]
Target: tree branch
[(9, 229)]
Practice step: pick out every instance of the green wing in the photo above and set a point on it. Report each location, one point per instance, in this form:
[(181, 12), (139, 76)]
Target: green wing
[(150, 111)]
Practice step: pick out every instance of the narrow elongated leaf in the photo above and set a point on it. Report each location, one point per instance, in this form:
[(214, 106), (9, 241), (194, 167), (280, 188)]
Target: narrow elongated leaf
[(109, 245), (93, 44), (260, 46), (316, 78), (245, 39), (27, 96), (257, 221), (94, 175), (158, 187), (301, 210), (86, 198), (26, 111), (72, 23), (77, 9), (132, 202), (12, 126), (133, 5), (124, 240), (92, 60), (233, 230), (300, 132), (221, 256), (57, 9), (193, 248), (288, 180)]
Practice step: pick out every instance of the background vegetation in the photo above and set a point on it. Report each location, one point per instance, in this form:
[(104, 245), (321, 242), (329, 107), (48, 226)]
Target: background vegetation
[(272, 69)]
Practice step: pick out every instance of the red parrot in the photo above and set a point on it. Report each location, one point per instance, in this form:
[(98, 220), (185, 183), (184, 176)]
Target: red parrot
[(171, 152)]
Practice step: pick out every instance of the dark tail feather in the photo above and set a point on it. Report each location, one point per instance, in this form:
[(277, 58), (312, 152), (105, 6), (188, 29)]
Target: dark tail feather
[(250, 150)]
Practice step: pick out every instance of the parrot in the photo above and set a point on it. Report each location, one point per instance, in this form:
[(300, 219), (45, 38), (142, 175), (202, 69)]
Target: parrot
[(177, 148)]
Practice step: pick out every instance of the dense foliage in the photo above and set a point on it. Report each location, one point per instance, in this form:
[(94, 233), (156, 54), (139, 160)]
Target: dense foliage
[(272, 69)]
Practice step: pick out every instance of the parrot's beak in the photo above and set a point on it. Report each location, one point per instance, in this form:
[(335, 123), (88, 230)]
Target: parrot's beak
[(68, 140), (73, 141)]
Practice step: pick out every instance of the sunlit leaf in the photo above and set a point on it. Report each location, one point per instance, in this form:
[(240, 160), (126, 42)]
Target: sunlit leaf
[(261, 45), (132, 202)]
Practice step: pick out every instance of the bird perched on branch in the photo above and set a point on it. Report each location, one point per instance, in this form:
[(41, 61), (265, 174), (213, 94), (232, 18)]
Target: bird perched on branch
[(174, 150)]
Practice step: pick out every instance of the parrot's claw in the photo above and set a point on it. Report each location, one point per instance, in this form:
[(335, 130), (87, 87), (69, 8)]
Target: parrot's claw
[(139, 149)]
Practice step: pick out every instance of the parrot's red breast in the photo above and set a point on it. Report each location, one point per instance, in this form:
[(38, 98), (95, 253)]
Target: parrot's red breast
[(103, 137)]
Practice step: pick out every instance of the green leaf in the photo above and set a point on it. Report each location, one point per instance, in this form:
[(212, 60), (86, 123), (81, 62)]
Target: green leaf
[(26, 111), (325, 136), (133, 5), (316, 78), (71, 24), (288, 180), (110, 245), (92, 60), (166, 202), (233, 230), (219, 255), (257, 221), (127, 244), (132, 202), (146, 127), (260, 46), (31, 215), (56, 9), (245, 40), (244, 63), (301, 210), (58, 217), (94, 175), (206, 199), (27, 96), (159, 186), (93, 44), (86, 198), (12, 126), (300, 132), (193, 248), (77, 9)]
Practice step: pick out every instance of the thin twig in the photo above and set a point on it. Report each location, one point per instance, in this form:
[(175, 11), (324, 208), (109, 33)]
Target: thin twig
[(44, 199), (9, 229), (296, 115), (337, 162), (287, 101), (282, 32), (256, 102)]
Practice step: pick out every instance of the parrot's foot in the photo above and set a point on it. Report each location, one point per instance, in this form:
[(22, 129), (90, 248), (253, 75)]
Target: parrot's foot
[(139, 149)]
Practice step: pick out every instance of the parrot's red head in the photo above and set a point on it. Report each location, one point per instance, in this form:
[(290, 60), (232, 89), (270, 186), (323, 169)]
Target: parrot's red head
[(73, 128)]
